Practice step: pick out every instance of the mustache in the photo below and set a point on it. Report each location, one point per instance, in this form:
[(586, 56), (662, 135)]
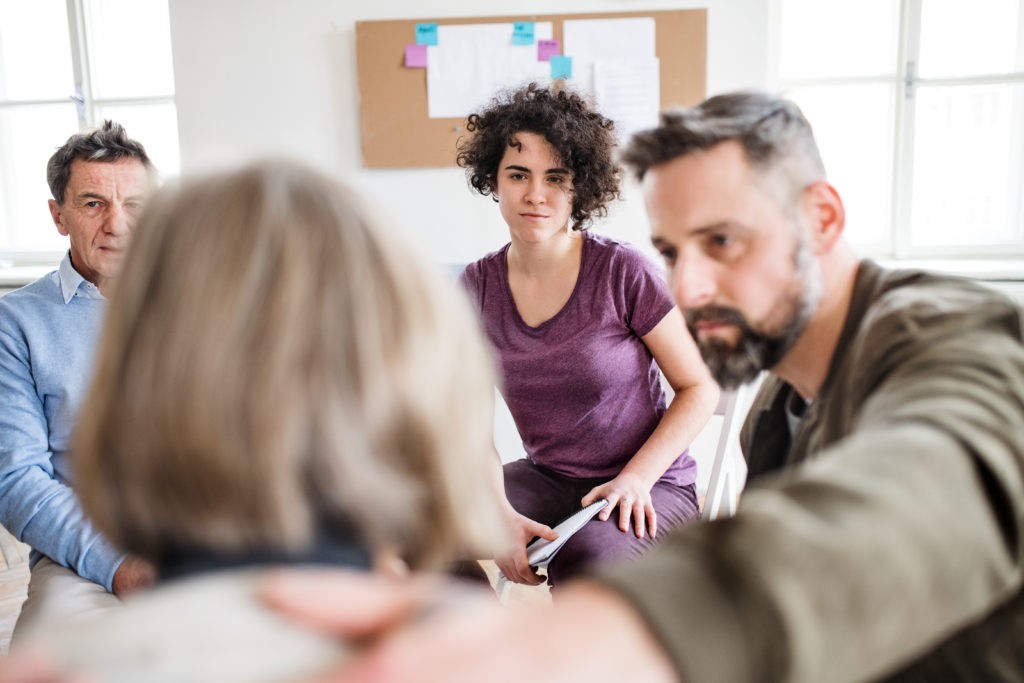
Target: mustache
[(717, 314)]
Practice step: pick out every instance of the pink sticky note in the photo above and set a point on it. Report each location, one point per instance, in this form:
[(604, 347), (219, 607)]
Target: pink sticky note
[(416, 56), (546, 49)]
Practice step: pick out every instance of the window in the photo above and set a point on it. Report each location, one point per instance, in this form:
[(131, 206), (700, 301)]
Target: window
[(918, 107), (65, 66)]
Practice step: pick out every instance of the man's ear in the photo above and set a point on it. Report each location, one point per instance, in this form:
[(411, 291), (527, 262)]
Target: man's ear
[(56, 213), (826, 215)]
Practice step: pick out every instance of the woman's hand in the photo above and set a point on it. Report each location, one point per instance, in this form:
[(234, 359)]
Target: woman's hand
[(632, 496), (522, 530)]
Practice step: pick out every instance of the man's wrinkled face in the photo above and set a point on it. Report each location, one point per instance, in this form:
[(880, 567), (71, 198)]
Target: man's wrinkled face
[(101, 203)]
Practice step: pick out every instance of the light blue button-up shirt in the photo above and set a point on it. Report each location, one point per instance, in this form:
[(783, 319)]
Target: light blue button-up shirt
[(48, 335)]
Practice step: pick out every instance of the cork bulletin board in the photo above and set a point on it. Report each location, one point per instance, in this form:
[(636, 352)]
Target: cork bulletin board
[(396, 131)]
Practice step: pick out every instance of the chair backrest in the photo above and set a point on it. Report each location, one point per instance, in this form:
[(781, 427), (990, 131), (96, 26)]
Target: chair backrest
[(728, 469)]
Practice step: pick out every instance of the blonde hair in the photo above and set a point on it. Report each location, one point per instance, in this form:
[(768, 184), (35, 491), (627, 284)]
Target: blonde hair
[(274, 361)]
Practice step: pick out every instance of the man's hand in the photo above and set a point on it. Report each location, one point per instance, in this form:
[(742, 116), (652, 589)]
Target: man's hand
[(133, 574), (633, 498), (522, 530), (426, 630), (30, 667)]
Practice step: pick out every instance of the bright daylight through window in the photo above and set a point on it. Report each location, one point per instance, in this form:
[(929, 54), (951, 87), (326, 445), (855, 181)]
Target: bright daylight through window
[(66, 65), (919, 109)]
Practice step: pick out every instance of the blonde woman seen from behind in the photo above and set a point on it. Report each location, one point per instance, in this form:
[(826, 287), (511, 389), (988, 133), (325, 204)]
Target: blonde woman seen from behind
[(280, 383)]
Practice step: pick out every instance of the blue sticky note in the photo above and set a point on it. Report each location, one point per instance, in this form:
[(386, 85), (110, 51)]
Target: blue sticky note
[(522, 33), (426, 34), (561, 67)]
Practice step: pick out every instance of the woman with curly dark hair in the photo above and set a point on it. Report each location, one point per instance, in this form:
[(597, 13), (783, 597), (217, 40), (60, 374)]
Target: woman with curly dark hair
[(581, 325)]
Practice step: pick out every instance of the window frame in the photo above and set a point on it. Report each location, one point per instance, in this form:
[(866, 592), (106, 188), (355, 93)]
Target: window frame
[(904, 84), (15, 263)]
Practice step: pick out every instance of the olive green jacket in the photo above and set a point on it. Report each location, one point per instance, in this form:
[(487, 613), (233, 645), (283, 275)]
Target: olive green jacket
[(885, 542)]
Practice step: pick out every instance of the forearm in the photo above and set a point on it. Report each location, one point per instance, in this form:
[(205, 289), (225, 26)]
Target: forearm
[(45, 514), (687, 413), (498, 486), (892, 539)]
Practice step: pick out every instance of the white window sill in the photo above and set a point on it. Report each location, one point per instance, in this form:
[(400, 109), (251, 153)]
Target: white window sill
[(12, 277), (1000, 270)]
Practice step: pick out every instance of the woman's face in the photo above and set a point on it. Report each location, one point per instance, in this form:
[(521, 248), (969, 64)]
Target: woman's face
[(534, 190)]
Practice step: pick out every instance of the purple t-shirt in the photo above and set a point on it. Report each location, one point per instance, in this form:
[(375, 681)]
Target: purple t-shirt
[(582, 387)]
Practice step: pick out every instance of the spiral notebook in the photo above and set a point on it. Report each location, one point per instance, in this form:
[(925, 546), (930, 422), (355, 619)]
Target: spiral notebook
[(541, 552)]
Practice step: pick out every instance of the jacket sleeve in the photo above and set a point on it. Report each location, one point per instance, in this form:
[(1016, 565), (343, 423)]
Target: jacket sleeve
[(888, 541)]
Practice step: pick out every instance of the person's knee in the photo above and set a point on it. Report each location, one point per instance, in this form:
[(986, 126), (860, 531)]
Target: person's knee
[(56, 594), (597, 543)]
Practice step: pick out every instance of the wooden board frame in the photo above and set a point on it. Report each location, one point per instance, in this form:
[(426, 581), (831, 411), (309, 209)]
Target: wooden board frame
[(395, 129)]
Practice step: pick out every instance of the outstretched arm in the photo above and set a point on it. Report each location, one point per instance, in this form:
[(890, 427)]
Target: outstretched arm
[(424, 630)]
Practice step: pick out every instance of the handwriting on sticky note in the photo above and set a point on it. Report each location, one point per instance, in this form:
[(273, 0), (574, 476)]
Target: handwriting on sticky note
[(522, 32), (426, 34), (546, 49), (416, 56), (561, 67)]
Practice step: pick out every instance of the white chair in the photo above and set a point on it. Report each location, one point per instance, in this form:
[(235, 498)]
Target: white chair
[(728, 469)]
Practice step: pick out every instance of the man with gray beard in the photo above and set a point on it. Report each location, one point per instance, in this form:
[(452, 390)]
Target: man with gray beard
[(879, 537)]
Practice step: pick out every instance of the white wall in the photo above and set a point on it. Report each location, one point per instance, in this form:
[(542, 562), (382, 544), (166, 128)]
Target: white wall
[(259, 77), (269, 77)]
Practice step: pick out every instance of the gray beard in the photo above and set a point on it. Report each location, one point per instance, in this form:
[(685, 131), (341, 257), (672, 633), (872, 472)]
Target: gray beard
[(753, 352), (758, 350)]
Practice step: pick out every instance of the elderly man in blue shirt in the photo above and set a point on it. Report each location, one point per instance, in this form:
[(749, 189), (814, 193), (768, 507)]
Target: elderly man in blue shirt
[(48, 331)]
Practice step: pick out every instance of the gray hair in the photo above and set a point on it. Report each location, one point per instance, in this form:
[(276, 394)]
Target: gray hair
[(314, 372), (107, 143), (775, 135)]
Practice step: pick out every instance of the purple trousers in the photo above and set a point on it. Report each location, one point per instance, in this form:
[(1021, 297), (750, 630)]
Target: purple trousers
[(548, 497)]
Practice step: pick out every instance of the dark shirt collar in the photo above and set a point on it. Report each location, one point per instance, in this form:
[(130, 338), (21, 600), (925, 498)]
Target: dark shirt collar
[(330, 547)]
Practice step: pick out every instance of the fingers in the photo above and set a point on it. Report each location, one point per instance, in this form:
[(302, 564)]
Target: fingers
[(515, 565), (529, 577), (645, 519), (613, 498), (639, 519), (639, 510), (345, 602), (541, 530), (596, 494), (517, 569), (625, 512)]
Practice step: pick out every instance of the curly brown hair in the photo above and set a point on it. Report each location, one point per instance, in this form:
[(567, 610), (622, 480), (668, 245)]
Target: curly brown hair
[(581, 138)]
